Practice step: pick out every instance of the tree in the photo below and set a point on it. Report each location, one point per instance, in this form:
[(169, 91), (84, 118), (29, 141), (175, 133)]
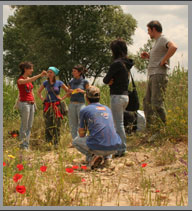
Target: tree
[(64, 36), (139, 63)]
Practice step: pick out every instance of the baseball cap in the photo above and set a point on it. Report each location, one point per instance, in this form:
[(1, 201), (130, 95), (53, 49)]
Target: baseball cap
[(93, 92), (54, 69)]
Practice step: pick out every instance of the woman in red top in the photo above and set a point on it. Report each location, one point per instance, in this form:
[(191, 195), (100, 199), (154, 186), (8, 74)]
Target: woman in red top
[(26, 101)]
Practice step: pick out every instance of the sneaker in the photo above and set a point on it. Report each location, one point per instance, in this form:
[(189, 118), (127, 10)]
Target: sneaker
[(107, 162), (119, 154), (95, 161)]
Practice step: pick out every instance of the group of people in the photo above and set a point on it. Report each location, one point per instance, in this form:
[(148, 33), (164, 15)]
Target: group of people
[(105, 125)]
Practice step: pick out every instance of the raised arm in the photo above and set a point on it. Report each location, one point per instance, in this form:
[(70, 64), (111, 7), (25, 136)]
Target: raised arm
[(29, 80)]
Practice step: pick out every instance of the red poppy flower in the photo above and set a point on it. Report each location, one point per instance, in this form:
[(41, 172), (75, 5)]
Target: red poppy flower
[(14, 135), (75, 167), (157, 191), (4, 164), (69, 170), (21, 189), (20, 167), (17, 177), (83, 180), (43, 168), (84, 167), (144, 165)]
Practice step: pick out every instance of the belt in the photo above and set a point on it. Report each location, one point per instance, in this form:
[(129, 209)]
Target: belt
[(29, 102)]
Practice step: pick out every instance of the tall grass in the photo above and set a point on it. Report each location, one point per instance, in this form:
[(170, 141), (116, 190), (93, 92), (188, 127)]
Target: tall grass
[(56, 187)]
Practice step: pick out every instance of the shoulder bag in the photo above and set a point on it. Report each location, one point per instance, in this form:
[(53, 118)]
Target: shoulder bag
[(133, 104), (63, 105)]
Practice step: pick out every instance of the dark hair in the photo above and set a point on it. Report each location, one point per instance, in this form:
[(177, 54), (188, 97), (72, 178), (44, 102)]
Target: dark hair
[(119, 48), (54, 79), (93, 100), (25, 65), (80, 69), (156, 25)]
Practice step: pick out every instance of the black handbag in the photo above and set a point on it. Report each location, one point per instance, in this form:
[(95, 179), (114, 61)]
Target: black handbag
[(133, 104)]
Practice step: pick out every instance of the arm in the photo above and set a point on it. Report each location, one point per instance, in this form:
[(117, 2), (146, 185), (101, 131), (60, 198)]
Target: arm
[(171, 50), (39, 92), (81, 90), (65, 88), (29, 80), (112, 70)]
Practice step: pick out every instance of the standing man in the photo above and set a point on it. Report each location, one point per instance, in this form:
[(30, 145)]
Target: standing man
[(159, 56), (103, 139)]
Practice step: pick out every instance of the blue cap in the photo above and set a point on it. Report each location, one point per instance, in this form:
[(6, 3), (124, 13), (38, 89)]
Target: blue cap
[(54, 69)]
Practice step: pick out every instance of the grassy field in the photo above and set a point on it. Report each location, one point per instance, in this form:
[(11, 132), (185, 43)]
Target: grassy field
[(151, 174)]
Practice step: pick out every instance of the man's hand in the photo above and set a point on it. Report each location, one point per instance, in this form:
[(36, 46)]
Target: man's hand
[(163, 63), (144, 55), (111, 82), (43, 73)]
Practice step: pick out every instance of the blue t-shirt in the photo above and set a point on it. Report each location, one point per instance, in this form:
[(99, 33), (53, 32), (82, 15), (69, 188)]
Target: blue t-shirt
[(56, 87), (78, 83), (99, 121)]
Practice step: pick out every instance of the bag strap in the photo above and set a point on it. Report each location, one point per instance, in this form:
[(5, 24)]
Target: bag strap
[(52, 89), (134, 86)]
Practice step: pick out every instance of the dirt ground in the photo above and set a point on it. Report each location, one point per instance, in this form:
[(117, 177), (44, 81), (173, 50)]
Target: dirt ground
[(140, 178)]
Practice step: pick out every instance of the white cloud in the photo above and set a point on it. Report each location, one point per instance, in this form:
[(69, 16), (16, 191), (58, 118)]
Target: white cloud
[(7, 11)]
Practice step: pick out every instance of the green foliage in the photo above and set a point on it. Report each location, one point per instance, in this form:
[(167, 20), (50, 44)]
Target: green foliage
[(10, 93), (142, 64), (64, 36)]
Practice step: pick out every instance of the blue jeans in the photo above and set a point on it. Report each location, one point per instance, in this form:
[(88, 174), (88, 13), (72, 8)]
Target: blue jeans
[(73, 114), (80, 144), (118, 105), (27, 116)]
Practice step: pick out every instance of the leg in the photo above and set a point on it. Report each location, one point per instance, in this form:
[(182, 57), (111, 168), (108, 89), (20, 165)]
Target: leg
[(80, 144), (118, 105), (24, 109), (56, 130), (48, 115), (73, 120), (147, 104), (78, 108), (158, 93), (30, 122)]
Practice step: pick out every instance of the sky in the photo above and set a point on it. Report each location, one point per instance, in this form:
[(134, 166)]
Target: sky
[(174, 20)]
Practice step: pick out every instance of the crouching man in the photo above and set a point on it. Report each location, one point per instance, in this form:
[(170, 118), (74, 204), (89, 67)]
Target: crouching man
[(103, 139)]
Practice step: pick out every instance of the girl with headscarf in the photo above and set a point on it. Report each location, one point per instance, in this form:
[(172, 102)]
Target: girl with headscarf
[(52, 113)]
